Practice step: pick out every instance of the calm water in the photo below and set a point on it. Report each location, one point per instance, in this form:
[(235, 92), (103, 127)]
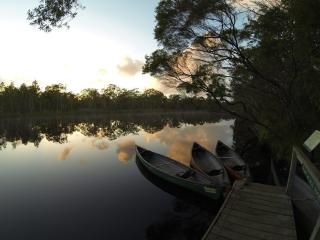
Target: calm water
[(79, 179)]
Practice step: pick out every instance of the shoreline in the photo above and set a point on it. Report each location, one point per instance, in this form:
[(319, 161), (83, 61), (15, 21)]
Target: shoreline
[(97, 114)]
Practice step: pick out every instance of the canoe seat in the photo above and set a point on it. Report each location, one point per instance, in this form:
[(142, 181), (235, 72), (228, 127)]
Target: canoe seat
[(215, 172), (186, 174)]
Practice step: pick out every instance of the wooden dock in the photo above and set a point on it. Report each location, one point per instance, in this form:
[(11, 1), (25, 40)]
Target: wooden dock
[(254, 211)]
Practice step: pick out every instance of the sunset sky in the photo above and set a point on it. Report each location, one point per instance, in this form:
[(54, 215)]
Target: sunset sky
[(106, 44)]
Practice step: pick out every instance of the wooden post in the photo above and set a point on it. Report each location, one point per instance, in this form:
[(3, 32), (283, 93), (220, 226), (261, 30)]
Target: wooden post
[(292, 172), (315, 235), (310, 171), (274, 174), (313, 177)]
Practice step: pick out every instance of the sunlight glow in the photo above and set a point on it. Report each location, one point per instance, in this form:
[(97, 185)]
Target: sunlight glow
[(75, 58)]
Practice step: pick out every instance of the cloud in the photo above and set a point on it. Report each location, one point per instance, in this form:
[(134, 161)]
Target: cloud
[(130, 66), (103, 71), (65, 153)]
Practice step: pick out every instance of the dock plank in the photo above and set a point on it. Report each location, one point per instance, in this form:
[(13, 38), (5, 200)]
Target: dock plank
[(265, 194), (261, 201), (279, 230), (251, 232), (262, 197), (256, 206), (254, 211), (265, 187), (281, 221)]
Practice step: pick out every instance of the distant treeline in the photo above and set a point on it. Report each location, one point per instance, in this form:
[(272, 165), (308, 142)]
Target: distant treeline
[(110, 126), (55, 98)]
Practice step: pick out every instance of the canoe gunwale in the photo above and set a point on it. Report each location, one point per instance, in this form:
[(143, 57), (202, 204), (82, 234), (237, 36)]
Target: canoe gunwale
[(194, 163), (241, 167), (176, 177), (208, 189)]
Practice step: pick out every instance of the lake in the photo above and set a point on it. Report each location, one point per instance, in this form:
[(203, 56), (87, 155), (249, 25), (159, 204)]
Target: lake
[(78, 178)]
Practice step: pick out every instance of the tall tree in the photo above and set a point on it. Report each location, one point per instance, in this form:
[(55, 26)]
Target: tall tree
[(249, 60)]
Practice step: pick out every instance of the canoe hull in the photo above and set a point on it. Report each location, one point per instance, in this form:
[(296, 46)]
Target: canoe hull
[(206, 162), (207, 190), (232, 160)]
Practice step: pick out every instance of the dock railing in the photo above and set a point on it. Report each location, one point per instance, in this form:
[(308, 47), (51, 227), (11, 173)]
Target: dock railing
[(313, 177)]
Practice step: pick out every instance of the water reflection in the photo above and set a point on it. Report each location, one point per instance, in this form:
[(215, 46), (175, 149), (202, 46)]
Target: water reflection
[(126, 150), (65, 152), (179, 141), (175, 132), (33, 130), (69, 173), (190, 214)]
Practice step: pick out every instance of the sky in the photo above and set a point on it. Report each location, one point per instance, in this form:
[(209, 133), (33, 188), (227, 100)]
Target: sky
[(106, 44)]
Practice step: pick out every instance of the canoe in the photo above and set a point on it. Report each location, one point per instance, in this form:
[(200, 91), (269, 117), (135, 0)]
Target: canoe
[(235, 165), (178, 192), (206, 162), (178, 174)]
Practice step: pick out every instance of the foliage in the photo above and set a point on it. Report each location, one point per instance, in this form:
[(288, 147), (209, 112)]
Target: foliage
[(54, 13), (55, 98), (259, 63)]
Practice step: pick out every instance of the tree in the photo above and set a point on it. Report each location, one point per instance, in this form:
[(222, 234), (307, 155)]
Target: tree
[(91, 98), (250, 61), (153, 98), (201, 44), (53, 97), (2, 89), (34, 93), (54, 13)]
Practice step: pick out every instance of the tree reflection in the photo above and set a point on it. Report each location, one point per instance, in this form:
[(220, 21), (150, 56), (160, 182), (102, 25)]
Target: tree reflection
[(256, 153), (33, 130)]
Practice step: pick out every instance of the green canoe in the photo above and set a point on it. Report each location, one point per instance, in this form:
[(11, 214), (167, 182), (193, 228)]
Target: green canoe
[(232, 161), (179, 174), (207, 163)]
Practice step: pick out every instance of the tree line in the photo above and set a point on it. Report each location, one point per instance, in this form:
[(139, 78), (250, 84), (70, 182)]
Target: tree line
[(55, 98), (111, 126)]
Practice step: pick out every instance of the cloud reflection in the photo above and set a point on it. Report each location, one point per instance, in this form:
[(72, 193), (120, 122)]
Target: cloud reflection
[(179, 140), (99, 144), (15, 143), (126, 150), (65, 153)]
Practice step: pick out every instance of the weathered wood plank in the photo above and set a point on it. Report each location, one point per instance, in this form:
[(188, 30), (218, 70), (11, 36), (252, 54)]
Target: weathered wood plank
[(264, 202), (262, 197), (279, 220), (254, 224), (250, 232), (218, 231), (265, 188), (220, 238), (254, 211), (274, 195), (255, 206)]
